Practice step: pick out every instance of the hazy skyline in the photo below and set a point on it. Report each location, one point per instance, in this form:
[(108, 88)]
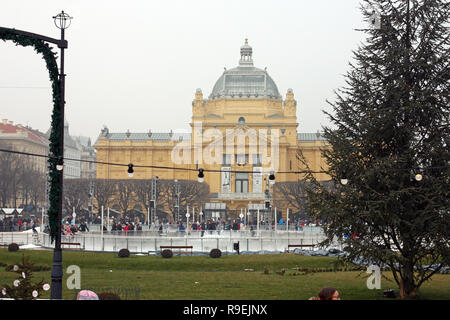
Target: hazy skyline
[(136, 65)]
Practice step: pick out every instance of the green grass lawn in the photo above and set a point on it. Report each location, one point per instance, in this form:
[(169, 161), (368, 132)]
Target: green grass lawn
[(204, 278)]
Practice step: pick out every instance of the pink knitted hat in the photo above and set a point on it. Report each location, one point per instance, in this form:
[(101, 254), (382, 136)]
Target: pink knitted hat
[(87, 295)]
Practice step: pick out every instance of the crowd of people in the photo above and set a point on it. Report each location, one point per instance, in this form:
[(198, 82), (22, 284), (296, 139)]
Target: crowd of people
[(15, 223), (134, 225)]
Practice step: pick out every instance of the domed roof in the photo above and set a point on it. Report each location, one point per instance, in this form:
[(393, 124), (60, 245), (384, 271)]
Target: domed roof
[(245, 81)]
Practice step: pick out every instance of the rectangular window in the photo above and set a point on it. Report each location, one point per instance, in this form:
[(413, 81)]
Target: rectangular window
[(241, 183), (226, 159), (241, 159), (238, 187), (256, 158)]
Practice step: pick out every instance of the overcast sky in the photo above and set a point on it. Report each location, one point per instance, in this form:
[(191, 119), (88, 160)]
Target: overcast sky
[(136, 64)]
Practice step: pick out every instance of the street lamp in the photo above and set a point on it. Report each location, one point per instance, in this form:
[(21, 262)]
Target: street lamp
[(177, 204), (91, 199), (62, 22), (153, 197)]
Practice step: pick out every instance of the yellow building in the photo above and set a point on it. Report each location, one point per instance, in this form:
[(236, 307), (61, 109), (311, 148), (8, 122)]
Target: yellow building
[(242, 132)]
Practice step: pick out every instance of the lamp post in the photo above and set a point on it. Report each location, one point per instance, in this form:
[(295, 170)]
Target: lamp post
[(62, 22), (177, 205), (187, 221), (153, 199), (91, 199), (74, 216)]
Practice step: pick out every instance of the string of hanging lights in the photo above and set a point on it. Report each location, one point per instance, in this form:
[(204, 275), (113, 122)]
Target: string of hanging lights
[(201, 172)]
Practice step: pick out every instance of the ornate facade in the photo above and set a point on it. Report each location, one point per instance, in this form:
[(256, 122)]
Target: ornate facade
[(239, 134)]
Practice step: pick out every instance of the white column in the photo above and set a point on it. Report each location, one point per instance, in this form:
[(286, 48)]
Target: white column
[(42, 221), (107, 220), (101, 225), (257, 221), (287, 219), (193, 215), (148, 217)]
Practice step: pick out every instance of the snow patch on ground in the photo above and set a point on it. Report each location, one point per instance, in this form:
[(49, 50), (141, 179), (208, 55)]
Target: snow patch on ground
[(30, 246), (38, 229)]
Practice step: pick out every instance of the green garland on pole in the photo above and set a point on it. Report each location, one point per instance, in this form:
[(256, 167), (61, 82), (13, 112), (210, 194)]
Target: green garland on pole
[(55, 136)]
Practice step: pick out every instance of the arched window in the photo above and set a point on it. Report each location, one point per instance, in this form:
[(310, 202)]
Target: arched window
[(241, 121)]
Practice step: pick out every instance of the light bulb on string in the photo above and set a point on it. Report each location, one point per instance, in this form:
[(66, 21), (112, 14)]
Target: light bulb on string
[(130, 170), (60, 164), (343, 176), (272, 178), (201, 176)]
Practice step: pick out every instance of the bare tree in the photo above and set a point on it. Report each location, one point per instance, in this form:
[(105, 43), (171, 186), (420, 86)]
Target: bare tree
[(143, 191), (125, 194), (103, 192), (192, 194), (294, 195), (11, 165), (290, 195), (37, 188), (6, 164), (20, 182), (76, 194)]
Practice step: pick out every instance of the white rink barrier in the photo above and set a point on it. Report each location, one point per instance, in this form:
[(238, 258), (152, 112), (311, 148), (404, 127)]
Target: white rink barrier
[(150, 242)]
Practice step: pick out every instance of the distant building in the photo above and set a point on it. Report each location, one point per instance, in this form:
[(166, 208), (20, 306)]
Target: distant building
[(88, 153), (25, 139), (72, 155)]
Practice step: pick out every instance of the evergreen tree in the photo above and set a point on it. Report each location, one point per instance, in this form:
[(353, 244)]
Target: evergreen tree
[(390, 145), (23, 288)]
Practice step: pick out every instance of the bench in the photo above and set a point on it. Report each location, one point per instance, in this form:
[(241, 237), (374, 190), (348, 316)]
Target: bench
[(300, 246), (177, 247), (71, 244)]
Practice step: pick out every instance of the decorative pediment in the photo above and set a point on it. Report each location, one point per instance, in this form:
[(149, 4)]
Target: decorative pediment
[(250, 133)]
